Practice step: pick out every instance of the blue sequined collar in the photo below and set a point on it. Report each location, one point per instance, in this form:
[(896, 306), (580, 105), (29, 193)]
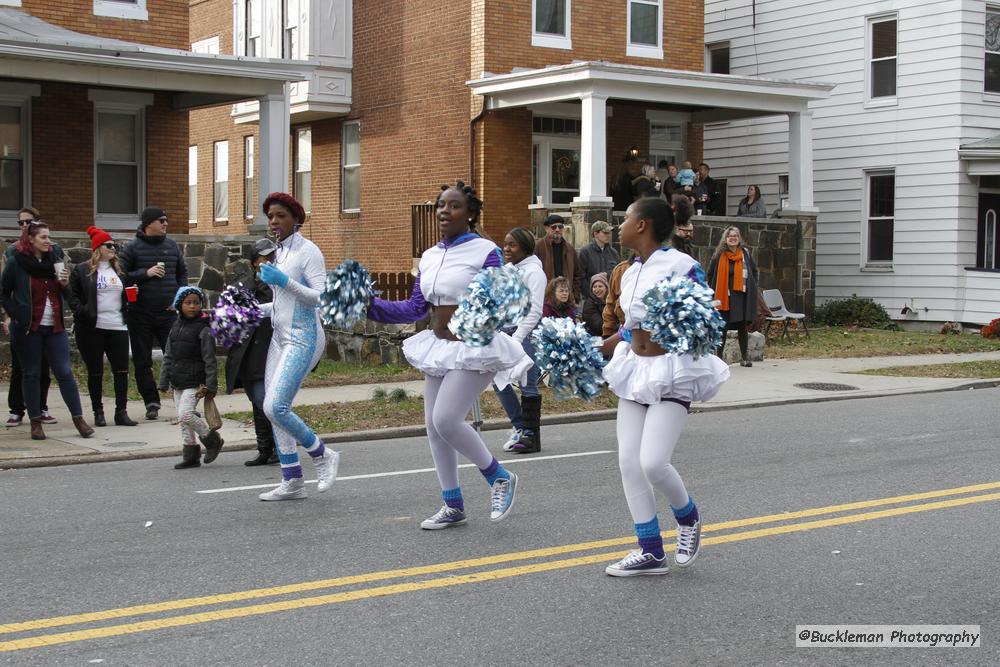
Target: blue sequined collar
[(457, 240)]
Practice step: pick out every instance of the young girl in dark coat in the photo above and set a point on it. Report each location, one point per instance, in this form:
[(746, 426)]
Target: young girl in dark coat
[(188, 364)]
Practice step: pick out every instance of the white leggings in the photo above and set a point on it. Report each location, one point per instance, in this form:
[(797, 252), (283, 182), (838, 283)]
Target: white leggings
[(447, 401), (647, 435), (185, 400)]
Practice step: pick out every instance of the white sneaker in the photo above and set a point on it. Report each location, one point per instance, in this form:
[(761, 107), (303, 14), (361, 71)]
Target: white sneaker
[(14, 420), (515, 436), (326, 469), (445, 518), (688, 544), (289, 489)]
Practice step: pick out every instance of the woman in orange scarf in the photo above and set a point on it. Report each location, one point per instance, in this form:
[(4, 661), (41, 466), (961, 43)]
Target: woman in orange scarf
[(733, 276)]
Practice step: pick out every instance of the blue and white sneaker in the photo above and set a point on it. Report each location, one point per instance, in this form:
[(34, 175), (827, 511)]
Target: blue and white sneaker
[(512, 439), (445, 518), (502, 497), (637, 564), (688, 544)]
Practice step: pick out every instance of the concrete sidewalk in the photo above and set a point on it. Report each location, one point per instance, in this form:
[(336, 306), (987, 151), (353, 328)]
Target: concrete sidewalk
[(770, 382)]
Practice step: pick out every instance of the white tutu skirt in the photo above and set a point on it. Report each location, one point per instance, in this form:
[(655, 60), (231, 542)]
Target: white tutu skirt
[(436, 356), (649, 380)]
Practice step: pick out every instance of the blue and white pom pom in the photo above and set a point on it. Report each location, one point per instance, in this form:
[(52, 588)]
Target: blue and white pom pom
[(682, 318), (236, 314), (571, 357), (496, 298), (346, 295)]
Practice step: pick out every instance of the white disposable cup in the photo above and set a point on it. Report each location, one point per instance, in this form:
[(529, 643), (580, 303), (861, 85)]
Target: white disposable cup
[(59, 266)]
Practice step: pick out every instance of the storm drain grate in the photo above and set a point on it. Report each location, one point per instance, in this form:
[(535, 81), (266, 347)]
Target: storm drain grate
[(826, 386)]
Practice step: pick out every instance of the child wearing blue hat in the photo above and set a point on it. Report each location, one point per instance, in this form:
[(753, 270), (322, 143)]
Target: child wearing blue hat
[(188, 364)]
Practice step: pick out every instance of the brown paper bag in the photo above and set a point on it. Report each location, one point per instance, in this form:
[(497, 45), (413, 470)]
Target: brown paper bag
[(212, 415)]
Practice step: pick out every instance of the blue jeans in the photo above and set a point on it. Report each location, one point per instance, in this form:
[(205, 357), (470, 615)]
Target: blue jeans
[(508, 397), (255, 392), (31, 347)]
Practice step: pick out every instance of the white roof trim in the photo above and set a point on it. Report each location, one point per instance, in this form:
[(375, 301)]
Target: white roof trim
[(31, 48), (649, 84)]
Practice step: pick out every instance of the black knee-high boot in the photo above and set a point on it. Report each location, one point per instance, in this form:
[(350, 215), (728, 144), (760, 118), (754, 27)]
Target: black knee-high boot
[(744, 339), (95, 386), (531, 439), (265, 439), (121, 399)]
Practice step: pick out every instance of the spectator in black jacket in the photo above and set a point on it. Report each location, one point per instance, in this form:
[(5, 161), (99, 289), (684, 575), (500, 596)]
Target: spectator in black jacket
[(156, 265), (597, 256), (708, 200), (246, 363)]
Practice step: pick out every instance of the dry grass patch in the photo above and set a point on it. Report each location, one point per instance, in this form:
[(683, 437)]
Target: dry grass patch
[(965, 369)]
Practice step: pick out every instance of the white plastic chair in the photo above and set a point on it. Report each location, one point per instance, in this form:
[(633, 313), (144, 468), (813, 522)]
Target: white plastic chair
[(776, 304)]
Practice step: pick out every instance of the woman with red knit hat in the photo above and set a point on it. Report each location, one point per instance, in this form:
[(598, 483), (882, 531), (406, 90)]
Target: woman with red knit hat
[(99, 304)]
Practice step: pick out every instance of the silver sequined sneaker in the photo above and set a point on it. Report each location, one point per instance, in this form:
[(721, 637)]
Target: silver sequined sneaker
[(289, 489), (636, 564), (326, 469), (688, 544), (446, 517)]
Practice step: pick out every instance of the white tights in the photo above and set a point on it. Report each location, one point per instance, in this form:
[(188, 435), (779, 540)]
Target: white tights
[(447, 401), (647, 435), (186, 400)]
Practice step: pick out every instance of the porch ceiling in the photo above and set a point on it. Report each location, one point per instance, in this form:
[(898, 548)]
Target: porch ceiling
[(709, 97), (34, 50)]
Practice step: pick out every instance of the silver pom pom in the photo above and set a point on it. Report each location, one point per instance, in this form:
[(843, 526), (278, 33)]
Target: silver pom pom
[(496, 298), (236, 314), (346, 295), (571, 357), (682, 318)]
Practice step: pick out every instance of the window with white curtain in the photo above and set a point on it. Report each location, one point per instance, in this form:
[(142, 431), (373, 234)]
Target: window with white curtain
[(351, 166), (992, 58), (551, 24), (220, 170), (303, 167), (193, 185)]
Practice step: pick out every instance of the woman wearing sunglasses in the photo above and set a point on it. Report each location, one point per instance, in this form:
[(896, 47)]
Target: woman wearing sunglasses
[(99, 304)]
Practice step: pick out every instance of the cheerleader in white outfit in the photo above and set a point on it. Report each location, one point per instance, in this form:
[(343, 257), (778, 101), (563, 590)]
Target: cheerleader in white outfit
[(655, 390), (456, 373)]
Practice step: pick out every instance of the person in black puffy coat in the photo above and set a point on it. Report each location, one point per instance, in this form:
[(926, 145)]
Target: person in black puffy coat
[(156, 265), (188, 364)]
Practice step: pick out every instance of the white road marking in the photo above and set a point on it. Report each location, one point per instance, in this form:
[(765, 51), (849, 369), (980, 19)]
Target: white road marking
[(416, 471)]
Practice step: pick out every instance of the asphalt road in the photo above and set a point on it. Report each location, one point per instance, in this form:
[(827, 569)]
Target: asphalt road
[(75, 541)]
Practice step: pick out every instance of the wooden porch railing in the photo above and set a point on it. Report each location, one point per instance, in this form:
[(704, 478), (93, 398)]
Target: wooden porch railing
[(394, 286)]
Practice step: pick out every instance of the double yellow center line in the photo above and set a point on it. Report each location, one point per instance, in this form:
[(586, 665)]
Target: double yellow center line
[(364, 592)]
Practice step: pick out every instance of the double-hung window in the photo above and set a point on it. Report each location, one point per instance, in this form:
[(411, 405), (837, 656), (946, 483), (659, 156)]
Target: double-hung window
[(880, 219), (290, 32), (351, 166), (13, 154), (303, 167), (252, 26), (249, 201), (551, 24), (718, 58), (882, 58), (193, 185), (645, 29), (220, 181), (992, 56), (119, 156)]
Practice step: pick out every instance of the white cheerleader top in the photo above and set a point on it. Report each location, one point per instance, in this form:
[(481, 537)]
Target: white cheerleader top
[(641, 277), (447, 268)]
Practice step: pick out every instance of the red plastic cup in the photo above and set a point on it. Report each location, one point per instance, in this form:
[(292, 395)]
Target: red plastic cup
[(132, 293)]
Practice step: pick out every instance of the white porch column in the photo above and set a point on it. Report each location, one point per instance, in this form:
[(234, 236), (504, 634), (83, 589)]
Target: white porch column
[(593, 150), (272, 155), (800, 162)]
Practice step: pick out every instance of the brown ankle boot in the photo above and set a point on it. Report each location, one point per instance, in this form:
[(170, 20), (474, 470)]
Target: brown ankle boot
[(36, 430), (82, 427)]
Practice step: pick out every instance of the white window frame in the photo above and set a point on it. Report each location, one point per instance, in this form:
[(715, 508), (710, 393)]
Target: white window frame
[(216, 162), (709, 48), (782, 191), (10, 3), (550, 40), (989, 95), (290, 28), (192, 183), (989, 241), (123, 102), (660, 146), (297, 166), (886, 100), (242, 22), (866, 263), (249, 159), (208, 46), (19, 95), (344, 166), (644, 50), (122, 9)]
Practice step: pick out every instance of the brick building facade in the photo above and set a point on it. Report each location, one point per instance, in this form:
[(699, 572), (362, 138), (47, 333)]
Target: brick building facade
[(420, 124)]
